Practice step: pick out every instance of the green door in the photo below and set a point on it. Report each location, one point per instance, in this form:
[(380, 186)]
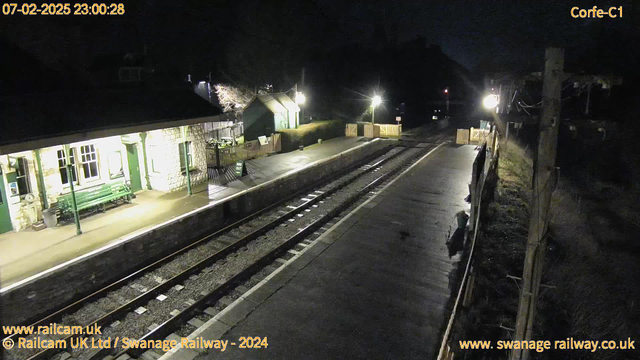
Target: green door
[(134, 167), (5, 218)]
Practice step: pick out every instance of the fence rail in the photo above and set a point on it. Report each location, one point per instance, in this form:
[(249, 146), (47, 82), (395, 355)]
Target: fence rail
[(248, 150), (485, 164), (351, 130), (390, 130)]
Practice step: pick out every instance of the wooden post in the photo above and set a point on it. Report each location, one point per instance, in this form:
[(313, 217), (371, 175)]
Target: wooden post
[(41, 184), (506, 141), (543, 186), (143, 139), (586, 107)]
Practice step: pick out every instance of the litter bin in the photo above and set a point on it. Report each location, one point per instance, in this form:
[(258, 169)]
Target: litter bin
[(462, 218), (50, 218)]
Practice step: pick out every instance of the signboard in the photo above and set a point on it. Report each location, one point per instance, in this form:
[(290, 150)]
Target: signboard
[(129, 139), (241, 168), (263, 140), (13, 189), (398, 118)]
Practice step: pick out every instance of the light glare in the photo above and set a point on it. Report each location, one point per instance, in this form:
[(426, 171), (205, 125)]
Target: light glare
[(377, 100), (300, 98), (490, 101)]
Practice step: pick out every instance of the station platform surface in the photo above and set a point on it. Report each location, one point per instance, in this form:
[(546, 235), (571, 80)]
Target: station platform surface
[(378, 283), (26, 253)]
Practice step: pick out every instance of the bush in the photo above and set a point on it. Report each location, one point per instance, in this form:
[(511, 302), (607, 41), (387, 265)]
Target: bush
[(309, 134)]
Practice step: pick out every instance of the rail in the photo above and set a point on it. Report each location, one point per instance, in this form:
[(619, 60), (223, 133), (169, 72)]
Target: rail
[(122, 310)]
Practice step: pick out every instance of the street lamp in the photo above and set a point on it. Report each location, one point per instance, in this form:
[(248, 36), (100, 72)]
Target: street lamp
[(375, 101), (300, 98), (490, 101)]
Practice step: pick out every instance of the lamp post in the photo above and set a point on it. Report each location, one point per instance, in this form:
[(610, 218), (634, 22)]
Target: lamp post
[(74, 202), (446, 94), (375, 101), (300, 100)]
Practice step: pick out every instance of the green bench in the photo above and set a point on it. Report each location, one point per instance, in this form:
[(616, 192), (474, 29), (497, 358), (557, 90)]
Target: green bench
[(94, 196)]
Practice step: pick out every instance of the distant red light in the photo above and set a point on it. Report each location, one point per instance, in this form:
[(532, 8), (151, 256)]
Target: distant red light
[(446, 91)]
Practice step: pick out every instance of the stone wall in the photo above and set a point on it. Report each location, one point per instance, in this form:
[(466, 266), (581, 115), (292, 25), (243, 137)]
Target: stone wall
[(84, 275), (164, 158)]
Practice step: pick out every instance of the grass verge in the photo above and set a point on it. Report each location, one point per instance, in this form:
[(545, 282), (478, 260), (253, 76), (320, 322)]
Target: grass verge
[(499, 252)]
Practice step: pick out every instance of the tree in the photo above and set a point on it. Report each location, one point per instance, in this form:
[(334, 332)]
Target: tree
[(233, 98)]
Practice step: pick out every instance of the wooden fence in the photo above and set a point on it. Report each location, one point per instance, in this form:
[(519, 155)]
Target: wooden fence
[(484, 166), (248, 150), (462, 137), (351, 130), (390, 130), (478, 136)]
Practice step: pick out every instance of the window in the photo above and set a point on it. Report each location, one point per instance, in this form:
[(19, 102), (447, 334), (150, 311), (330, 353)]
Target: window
[(89, 159), (189, 157), (22, 176), (62, 165), (115, 165)]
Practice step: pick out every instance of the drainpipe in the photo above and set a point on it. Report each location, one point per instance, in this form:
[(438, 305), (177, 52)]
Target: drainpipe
[(76, 216), (43, 191), (186, 158), (143, 139)]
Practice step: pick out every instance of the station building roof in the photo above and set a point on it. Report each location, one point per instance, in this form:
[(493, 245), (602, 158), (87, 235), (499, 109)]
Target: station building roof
[(39, 120), (276, 102)]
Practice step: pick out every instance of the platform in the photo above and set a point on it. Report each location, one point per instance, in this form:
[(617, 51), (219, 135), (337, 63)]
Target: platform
[(375, 286), (25, 253)]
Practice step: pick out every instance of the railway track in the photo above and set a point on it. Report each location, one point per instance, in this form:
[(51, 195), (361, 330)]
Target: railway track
[(201, 279)]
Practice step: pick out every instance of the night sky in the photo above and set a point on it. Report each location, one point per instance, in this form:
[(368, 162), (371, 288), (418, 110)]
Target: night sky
[(198, 37)]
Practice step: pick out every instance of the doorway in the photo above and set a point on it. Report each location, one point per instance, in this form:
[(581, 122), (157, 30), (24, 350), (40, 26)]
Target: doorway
[(134, 167), (5, 217)]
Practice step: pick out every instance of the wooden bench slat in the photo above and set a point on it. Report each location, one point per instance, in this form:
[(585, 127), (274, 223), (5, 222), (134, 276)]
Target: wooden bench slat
[(95, 196)]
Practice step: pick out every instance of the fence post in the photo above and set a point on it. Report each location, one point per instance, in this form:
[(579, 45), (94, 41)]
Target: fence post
[(468, 291), (472, 192), (217, 156)]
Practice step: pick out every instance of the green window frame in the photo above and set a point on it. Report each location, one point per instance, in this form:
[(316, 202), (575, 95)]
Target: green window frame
[(62, 166)]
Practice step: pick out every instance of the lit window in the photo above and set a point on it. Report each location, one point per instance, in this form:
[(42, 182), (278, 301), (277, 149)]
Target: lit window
[(62, 166), (181, 152), (89, 159), (115, 165), (22, 176)]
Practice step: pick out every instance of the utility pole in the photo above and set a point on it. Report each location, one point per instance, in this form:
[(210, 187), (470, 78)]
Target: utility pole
[(295, 95), (544, 180), (302, 88)]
